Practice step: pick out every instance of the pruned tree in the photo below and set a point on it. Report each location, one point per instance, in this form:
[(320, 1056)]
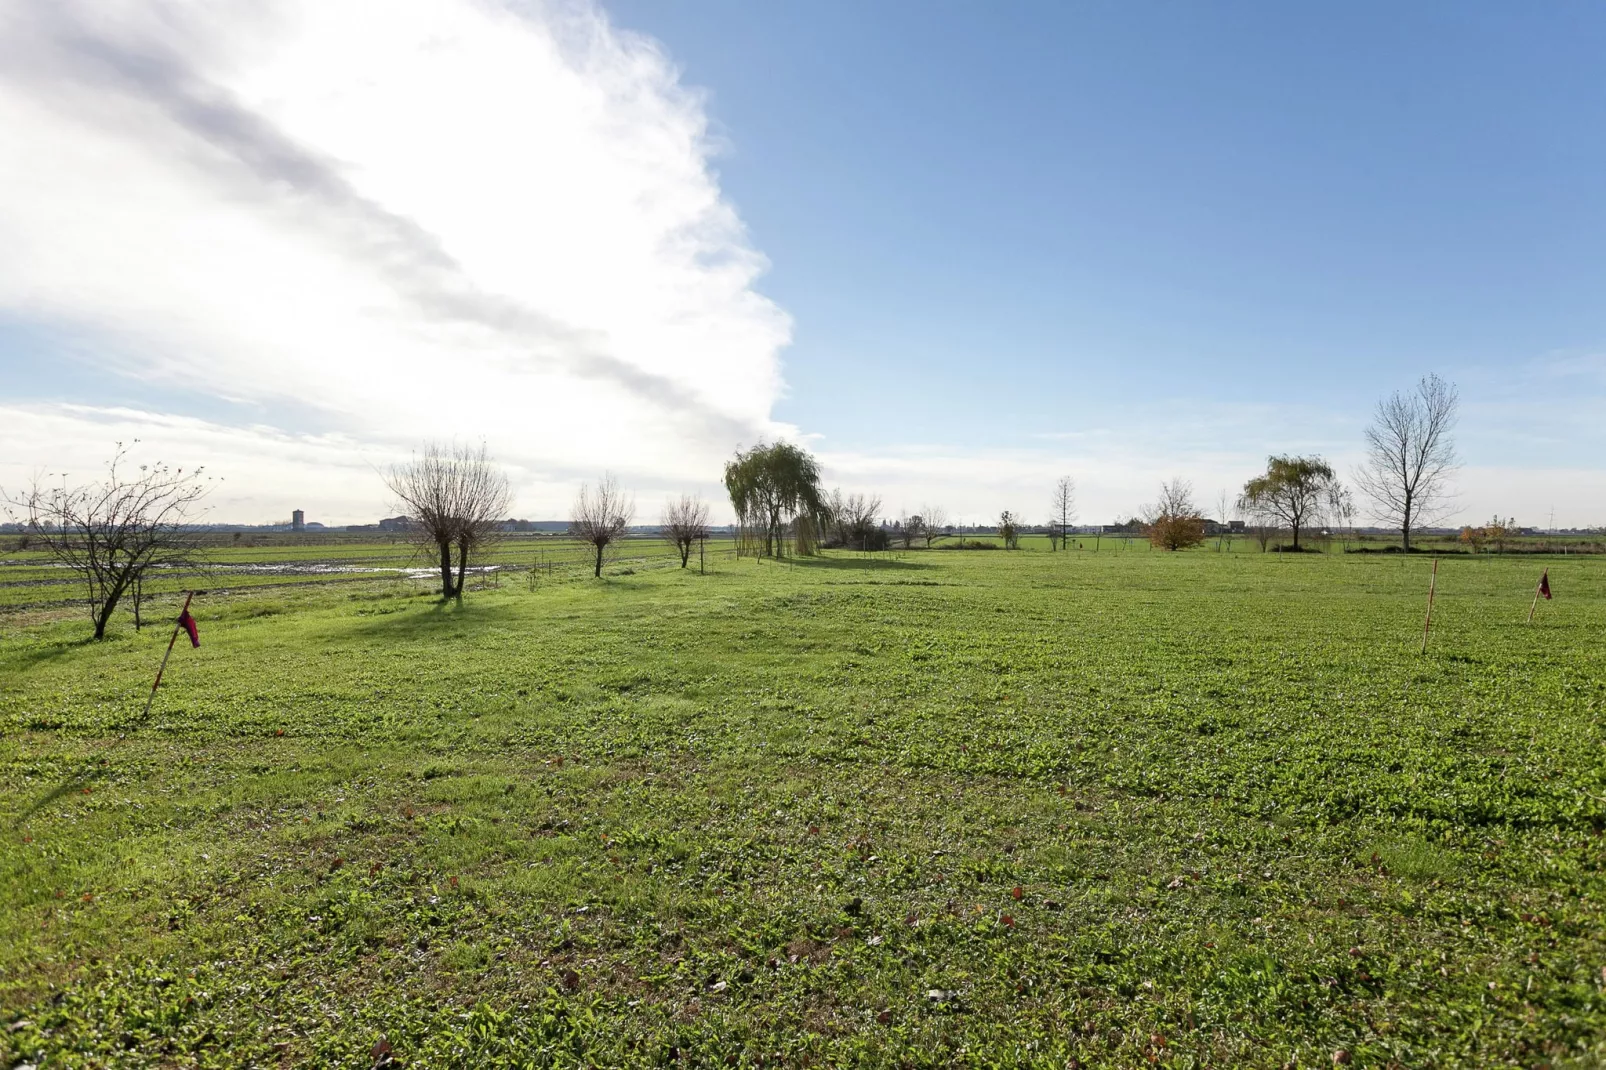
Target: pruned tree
[(114, 532), (1410, 456), (771, 485), (935, 524), (1009, 530), (1062, 511), (685, 522), (1173, 520), (457, 499), (1295, 491), (601, 516)]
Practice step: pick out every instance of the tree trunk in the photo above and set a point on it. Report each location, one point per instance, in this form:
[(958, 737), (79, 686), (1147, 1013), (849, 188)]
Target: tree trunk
[(462, 567), (1405, 524), (446, 569), (598, 572), (1296, 538), (685, 553), (103, 615)]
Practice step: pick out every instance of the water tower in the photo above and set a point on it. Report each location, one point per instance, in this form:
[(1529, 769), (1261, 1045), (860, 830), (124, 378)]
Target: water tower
[(298, 521)]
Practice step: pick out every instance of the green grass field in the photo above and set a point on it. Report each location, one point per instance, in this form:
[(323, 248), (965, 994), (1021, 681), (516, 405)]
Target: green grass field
[(943, 809)]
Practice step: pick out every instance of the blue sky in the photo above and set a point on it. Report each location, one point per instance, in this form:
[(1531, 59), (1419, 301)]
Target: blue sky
[(958, 249), (1008, 218)]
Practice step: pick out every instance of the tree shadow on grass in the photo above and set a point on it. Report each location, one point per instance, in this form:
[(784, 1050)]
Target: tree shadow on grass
[(866, 564), (438, 618), (44, 653), (73, 783)]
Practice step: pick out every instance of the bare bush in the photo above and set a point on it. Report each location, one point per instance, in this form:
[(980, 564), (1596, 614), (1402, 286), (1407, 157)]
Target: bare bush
[(685, 522), (1410, 456), (114, 532), (601, 517), (456, 498), (1173, 521)]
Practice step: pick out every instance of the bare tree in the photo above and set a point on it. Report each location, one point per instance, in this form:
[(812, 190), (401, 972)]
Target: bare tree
[(1062, 511), (936, 522), (1223, 504), (685, 522), (1341, 506), (855, 520), (834, 512), (911, 528), (456, 498), (601, 516), (1410, 456), (1296, 491), (113, 532), (1174, 522)]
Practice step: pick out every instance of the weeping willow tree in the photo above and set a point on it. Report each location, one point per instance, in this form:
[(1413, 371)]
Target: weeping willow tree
[(770, 487)]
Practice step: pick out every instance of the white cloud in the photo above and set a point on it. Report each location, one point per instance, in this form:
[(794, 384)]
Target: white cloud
[(422, 220), (328, 230)]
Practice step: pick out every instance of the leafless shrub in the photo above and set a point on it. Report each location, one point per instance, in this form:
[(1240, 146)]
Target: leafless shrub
[(601, 517), (1173, 521), (113, 532)]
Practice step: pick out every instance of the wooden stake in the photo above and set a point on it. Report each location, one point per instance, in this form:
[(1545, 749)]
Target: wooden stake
[(1433, 583), (1540, 586), (163, 668)]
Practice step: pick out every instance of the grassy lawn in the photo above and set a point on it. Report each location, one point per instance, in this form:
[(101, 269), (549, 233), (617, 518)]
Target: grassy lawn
[(959, 808)]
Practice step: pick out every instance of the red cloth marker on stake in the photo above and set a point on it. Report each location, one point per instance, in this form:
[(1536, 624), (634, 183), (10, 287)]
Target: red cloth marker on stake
[(186, 622)]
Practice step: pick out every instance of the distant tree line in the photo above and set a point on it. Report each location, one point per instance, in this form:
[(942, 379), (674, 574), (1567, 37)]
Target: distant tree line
[(114, 531)]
